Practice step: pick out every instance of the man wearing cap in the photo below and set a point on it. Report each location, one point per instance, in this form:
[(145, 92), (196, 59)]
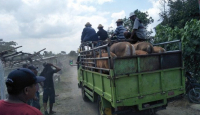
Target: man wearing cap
[(88, 34), (138, 32), (35, 102), (119, 32), (21, 87), (49, 91), (102, 34)]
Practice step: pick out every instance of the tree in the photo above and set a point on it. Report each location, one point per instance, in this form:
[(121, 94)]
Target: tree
[(6, 45), (190, 36), (73, 53), (180, 11), (47, 54)]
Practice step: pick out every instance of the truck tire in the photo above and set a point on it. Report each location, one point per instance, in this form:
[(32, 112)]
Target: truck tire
[(194, 95), (85, 98)]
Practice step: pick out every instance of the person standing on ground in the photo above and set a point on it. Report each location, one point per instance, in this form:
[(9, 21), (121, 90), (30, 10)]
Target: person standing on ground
[(35, 102), (49, 91), (21, 87)]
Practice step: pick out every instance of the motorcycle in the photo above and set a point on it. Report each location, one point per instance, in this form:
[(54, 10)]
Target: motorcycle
[(192, 88)]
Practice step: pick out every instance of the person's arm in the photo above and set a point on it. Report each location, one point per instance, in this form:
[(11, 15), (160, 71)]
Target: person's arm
[(135, 27), (115, 33), (132, 33), (57, 68), (83, 35)]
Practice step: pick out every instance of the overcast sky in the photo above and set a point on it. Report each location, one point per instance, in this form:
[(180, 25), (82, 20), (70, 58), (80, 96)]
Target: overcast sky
[(57, 24)]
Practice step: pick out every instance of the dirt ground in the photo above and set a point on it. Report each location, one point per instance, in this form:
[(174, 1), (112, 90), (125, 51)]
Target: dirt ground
[(69, 101)]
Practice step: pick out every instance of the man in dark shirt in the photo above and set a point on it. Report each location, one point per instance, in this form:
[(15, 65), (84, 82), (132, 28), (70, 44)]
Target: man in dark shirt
[(88, 34), (102, 34), (49, 92)]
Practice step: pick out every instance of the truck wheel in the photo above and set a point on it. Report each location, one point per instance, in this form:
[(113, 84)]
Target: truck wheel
[(194, 95), (85, 98)]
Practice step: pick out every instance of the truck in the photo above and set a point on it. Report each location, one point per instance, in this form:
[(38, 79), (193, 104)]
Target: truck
[(132, 84)]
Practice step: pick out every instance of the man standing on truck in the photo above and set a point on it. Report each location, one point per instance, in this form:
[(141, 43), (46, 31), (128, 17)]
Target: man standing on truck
[(119, 32), (102, 34), (88, 34), (138, 32), (49, 91)]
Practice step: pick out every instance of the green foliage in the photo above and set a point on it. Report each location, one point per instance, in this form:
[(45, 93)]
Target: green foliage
[(73, 53), (180, 11), (48, 54), (190, 36), (6, 45)]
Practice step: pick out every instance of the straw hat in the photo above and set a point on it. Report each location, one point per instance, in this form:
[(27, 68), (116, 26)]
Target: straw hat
[(119, 21), (132, 14), (88, 24), (100, 26)]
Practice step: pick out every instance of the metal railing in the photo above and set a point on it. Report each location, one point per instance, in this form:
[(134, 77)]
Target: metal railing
[(170, 42)]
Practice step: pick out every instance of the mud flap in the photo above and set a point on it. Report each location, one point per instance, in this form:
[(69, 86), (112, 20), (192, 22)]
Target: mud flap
[(104, 106)]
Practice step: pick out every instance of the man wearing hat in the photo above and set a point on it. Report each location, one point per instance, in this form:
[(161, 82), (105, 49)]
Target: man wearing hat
[(138, 32), (102, 34), (21, 87), (119, 32), (88, 34), (35, 102)]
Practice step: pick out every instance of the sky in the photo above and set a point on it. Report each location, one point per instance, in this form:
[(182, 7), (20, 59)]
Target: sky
[(57, 24)]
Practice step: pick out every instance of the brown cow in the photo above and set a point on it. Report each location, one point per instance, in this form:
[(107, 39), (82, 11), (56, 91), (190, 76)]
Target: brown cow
[(122, 49), (157, 49), (104, 63), (140, 52), (145, 46)]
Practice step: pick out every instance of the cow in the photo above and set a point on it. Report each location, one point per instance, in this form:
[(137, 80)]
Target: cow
[(103, 63), (157, 49), (140, 52), (144, 46), (122, 49)]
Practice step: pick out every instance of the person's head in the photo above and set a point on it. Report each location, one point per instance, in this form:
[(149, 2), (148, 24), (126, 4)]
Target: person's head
[(22, 82), (100, 27), (25, 66), (132, 16), (33, 69), (119, 22), (88, 24), (47, 67)]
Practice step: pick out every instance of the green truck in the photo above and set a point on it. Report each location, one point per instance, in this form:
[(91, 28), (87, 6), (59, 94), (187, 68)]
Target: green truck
[(144, 83)]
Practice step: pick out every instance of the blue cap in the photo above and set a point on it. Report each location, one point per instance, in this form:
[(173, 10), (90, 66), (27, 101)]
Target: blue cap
[(23, 77)]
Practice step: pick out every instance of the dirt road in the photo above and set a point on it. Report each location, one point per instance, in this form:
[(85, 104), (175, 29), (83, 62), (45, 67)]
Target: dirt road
[(69, 101)]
